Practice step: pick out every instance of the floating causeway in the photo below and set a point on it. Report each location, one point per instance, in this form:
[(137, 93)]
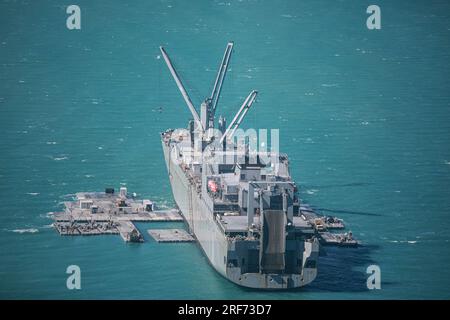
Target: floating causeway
[(170, 235), (322, 224), (103, 213), (108, 213)]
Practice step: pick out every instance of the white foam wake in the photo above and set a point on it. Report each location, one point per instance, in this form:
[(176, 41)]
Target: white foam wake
[(30, 230)]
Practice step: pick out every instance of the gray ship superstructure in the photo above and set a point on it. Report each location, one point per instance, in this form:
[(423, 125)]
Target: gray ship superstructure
[(244, 213)]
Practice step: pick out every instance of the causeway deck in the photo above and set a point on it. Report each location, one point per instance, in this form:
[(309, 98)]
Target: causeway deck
[(170, 235), (97, 213)]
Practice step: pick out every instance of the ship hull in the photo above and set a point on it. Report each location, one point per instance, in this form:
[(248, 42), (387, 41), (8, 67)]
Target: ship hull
[(197, 216)]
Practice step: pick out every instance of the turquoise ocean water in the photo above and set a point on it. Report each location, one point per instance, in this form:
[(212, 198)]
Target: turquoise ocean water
[(364, 116)]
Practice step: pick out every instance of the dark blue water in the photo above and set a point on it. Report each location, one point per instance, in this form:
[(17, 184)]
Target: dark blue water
[(364, 116)]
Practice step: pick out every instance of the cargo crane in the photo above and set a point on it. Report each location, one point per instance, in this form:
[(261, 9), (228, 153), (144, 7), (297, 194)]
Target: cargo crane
[(215, 94), (208, 108), (239, 117), (180, 86)]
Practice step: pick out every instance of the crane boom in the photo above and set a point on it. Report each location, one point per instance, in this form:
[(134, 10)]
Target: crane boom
[(239, 117), (180, 86), (215, 94)]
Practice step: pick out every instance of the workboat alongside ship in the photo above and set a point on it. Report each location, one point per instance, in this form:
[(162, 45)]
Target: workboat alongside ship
[(244, 213)]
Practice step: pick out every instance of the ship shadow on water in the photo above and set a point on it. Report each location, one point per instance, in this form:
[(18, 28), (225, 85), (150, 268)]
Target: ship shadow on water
[(325, 211), (342, 185), (339, 270), (342, 269), (338, 211)]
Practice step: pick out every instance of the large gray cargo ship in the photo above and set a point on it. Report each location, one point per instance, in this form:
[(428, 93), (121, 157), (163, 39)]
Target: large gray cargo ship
[(240, 204)]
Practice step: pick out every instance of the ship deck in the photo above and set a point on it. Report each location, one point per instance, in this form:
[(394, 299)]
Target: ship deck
[(236, 223), (240, 223)]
